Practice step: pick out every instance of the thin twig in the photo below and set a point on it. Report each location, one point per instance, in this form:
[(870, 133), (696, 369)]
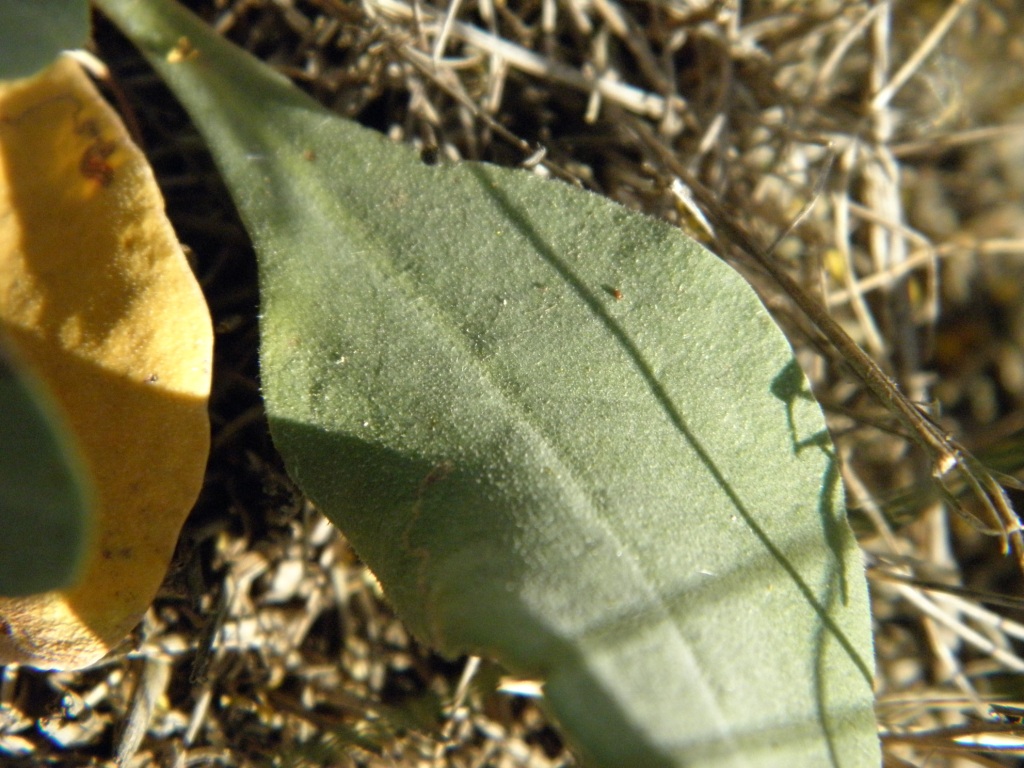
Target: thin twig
[(932, 39), (933, 145)]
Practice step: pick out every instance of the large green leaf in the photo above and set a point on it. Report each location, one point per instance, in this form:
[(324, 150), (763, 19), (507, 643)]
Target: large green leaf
[(45, 500), (561, 434), (33, 32)]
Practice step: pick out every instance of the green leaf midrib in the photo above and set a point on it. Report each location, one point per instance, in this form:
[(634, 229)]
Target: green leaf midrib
[(434, 315), (314, 195)]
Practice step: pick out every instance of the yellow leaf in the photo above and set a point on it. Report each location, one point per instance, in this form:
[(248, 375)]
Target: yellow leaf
[(99, 300)]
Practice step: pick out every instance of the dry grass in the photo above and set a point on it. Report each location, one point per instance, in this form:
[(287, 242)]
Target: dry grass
[(903, 123)]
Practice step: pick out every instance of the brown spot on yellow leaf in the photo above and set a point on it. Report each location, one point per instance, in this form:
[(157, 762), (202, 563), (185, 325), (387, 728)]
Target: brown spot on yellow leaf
[(99, 300)]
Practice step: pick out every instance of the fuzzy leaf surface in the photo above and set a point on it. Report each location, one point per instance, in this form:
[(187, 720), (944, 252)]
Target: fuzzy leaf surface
[(561, 434), (34, 32)]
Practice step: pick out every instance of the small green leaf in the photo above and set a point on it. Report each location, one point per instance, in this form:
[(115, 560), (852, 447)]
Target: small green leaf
[(562, 434), (45, 502), (34, 32)]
